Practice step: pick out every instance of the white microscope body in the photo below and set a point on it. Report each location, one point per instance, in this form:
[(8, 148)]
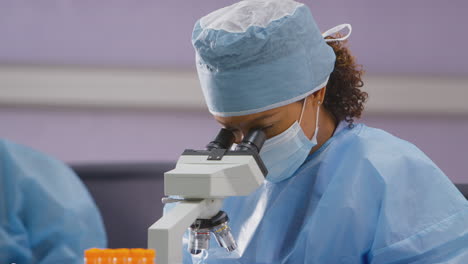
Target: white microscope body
[(203, 179)]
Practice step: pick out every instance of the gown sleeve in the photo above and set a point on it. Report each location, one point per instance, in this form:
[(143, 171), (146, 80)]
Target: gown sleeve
[(46, 214), (423, 218)]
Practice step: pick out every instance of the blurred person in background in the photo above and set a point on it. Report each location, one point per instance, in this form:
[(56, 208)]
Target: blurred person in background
[(46, 214), (336, 191)]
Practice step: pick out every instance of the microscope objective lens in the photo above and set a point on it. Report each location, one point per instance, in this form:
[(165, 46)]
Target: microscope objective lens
[(224, 237), (199, 239)]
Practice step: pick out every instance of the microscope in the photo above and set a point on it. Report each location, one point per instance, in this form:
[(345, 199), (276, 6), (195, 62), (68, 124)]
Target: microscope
[(200, 182)]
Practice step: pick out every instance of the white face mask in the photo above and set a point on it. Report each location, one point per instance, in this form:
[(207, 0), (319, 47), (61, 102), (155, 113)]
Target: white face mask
[(284, 154)]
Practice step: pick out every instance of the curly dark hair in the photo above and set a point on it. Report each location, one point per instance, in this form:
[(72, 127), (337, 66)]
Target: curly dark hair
[(344, 98)]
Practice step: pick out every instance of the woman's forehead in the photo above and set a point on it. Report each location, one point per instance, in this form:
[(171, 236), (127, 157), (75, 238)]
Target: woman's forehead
[(244, 120)]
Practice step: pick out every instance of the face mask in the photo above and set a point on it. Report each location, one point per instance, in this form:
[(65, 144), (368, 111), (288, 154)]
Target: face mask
[(284, 154)]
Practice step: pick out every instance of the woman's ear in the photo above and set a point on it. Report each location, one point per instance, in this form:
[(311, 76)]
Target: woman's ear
[(319, 95)]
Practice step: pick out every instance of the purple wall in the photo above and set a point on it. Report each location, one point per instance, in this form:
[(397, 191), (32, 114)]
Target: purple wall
[(389, 37), (419, 36), (108, 136)]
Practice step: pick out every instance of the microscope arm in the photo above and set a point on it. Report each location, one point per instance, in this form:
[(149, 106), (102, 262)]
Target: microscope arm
[(165, 236)]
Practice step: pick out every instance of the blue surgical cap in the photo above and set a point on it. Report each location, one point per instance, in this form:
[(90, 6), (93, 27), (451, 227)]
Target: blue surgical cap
[(257, 55)]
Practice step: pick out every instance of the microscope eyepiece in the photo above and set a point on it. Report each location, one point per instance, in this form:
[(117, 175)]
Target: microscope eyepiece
[(223, 140), (253, 141)]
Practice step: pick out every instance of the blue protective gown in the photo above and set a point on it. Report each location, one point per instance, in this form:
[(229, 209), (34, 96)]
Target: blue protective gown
[(46, 214), (364, 197)]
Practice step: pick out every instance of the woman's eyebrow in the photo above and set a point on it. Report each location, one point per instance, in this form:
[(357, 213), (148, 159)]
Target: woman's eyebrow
[(228, 126), (263, 117)]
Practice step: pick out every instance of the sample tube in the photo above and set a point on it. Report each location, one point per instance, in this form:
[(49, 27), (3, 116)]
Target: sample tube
[(137, 256), (91, 256), (150, 255), (106, 256), (121, 256)]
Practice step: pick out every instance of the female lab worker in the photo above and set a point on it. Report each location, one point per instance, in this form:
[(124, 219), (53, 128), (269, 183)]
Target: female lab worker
[(336, 191), (46, 214)]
